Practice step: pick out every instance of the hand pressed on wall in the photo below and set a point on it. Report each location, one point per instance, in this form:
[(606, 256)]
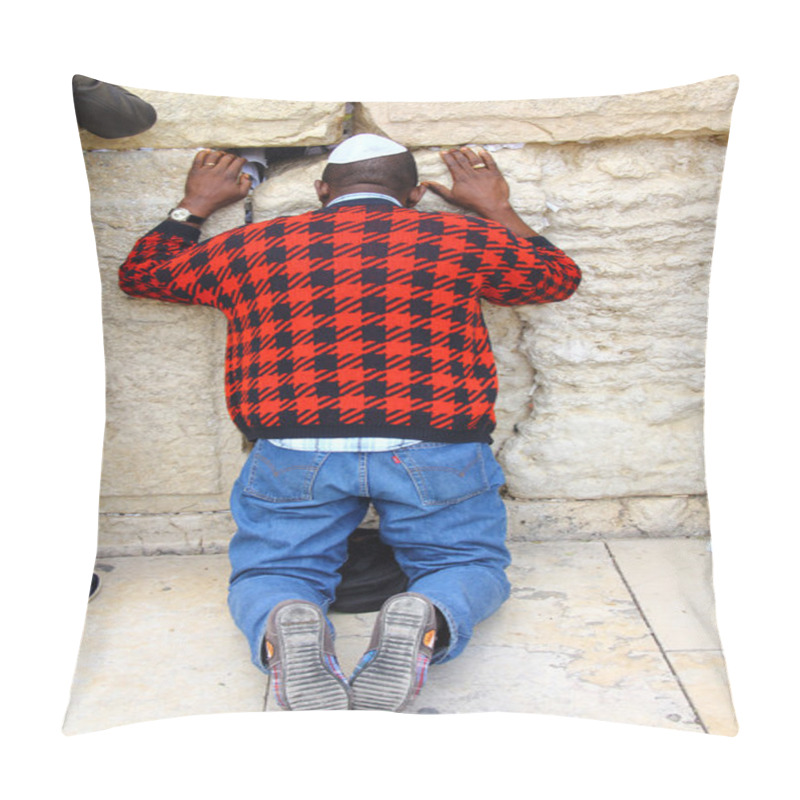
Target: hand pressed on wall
[(215, 180), (479, 186)]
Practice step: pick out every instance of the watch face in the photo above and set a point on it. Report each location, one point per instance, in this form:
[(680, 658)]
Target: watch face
[(180, 214)]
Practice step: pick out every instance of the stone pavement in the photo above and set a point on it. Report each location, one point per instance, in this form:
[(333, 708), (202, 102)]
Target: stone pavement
[(618, 630)]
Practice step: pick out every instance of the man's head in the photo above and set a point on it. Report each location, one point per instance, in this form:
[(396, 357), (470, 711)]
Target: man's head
[(370, 163)]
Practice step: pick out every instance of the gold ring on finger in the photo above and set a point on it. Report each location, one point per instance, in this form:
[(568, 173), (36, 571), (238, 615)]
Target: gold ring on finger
[(479, 166)]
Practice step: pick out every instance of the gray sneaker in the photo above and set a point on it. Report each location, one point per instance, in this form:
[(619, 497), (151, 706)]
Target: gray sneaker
[(299, 647), (392, 671)]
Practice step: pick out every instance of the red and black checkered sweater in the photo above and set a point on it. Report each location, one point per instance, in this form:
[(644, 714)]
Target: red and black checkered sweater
[(358, 319)]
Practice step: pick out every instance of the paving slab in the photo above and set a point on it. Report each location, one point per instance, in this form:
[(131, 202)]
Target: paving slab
[(571, 640), (671, 580), (158, 642), (704, 678)]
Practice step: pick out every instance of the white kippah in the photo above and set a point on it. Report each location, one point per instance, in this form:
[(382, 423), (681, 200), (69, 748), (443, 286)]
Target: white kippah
[(363, 146)]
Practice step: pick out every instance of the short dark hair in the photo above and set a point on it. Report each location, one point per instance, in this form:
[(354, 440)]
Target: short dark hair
[(397, 171)]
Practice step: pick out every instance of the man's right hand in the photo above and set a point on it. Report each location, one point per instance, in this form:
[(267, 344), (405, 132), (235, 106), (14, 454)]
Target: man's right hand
[(215, 180), (479, 186)]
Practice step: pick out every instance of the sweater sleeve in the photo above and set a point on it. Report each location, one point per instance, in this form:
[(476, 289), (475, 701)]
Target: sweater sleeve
[(168, 264), (522, 271)]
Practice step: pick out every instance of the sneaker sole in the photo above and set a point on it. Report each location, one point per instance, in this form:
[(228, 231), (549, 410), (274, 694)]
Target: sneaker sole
[(388, 682), (308, 683)]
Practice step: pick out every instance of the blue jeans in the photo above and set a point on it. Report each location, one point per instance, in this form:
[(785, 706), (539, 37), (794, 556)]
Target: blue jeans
[(439, 508)]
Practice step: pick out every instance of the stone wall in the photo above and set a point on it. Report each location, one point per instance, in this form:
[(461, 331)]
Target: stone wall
[(600, 413)]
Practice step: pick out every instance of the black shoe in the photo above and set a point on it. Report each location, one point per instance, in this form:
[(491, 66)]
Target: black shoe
[(95, 587)]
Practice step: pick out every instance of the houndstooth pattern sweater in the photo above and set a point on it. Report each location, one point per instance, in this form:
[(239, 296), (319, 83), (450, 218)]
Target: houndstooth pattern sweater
[(358, 319)]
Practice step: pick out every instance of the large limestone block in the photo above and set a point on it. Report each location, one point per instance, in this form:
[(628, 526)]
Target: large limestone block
[(131, 192), (169, 442), (289, 189), (697, 109), (197, 120), (168, 532), (607, 518), (617, 399)]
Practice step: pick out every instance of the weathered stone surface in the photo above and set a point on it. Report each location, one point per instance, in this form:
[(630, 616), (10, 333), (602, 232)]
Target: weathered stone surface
[(197, 120), (600, 412), (698, 109), (159, 529), (618, 387), (576, 637), (168, 434), (289, 189), (616, 517), (160, 643), (151, 534)]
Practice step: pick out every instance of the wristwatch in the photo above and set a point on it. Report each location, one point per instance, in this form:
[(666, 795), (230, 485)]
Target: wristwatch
[(184, 215)]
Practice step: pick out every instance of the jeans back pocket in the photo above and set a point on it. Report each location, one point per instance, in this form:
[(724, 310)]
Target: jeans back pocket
[(280, 475), (444, 474)]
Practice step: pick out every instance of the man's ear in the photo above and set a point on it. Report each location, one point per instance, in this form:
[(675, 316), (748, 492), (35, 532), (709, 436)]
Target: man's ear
[(323, 191), (415, 195)]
